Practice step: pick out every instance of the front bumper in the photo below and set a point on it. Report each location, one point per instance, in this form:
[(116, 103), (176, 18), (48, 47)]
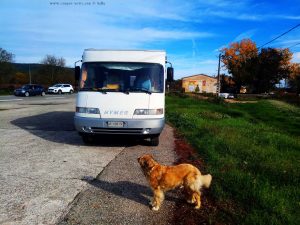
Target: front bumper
[(19, 93), (142, 127), (52, 91)]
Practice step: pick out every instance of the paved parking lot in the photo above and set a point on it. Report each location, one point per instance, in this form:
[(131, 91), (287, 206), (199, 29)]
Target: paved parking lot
[(43, 162)]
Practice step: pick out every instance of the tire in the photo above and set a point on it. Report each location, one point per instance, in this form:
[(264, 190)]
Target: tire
[(71, 91), (43, 93), (59, 92), (26, 94), (87, 139), (154, 141)]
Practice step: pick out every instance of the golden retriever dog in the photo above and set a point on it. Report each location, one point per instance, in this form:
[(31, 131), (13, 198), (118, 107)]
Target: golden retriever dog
[(164, 178)]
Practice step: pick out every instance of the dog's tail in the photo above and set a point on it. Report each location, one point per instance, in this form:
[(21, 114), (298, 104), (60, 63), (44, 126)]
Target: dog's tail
[(206, 180)]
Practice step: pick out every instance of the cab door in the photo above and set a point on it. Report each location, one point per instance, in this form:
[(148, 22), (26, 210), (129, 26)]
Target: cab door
[(31, 90)]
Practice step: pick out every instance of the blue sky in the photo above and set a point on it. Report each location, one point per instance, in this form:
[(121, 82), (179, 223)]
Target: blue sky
[(192, 32)]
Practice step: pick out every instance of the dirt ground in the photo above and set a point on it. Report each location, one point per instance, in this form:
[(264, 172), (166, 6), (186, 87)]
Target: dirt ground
[(211, 212)]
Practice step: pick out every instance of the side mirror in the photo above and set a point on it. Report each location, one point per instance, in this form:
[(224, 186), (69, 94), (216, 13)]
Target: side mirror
[(170, 74), (77, 73)]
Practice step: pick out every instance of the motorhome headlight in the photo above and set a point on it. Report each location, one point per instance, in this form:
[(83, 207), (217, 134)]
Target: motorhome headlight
[(148, 111), (87, 110)]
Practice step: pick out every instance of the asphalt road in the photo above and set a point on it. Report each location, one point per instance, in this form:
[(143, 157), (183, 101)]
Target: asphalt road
[(120, 194), (49, 176), (43, 161)]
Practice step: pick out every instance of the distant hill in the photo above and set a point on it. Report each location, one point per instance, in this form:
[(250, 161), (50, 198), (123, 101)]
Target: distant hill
[(24, 67), (19, 74)]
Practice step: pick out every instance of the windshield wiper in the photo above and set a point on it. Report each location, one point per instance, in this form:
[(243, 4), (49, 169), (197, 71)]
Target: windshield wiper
[(101, 90), (86, 89), (142, 90), (125, 91), (93, 89)]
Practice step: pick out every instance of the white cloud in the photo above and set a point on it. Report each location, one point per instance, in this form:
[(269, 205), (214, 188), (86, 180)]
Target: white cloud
[(232, 14), (67, 31), (246, 34), (289, 17), (185, 65), (296, 57)]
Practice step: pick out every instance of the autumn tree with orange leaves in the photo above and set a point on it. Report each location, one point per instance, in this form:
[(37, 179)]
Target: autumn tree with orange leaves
[(260, 70), (238, 59), (294, 78)]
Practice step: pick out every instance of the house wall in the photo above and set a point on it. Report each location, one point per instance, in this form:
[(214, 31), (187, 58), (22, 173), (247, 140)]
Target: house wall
[(205, 84)]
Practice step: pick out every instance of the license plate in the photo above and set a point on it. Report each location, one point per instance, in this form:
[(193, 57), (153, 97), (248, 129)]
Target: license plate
[(115, 124)]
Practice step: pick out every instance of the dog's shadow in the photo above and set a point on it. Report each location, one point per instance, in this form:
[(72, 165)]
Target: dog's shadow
[(126, 189)]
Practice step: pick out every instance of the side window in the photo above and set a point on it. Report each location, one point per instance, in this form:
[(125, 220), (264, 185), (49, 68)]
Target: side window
[(65, 85)]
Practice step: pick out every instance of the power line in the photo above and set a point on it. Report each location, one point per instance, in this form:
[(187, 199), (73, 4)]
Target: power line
[(294, 45), (280, 35)]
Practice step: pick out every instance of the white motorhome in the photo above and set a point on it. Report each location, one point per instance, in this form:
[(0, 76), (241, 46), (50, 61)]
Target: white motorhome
[(121, 92)]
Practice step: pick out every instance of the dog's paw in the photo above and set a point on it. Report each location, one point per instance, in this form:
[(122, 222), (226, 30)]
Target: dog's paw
[(151, 203), (197, 206), (190, 201), (155, 208)]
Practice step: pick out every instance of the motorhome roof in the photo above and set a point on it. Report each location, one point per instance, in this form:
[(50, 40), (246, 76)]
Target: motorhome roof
[(117, 50), (105, 55)]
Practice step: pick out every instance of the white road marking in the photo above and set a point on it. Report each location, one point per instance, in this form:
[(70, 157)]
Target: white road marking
[(8, 100)]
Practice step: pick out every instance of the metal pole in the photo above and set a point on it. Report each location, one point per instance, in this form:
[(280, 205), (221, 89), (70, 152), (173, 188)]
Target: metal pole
[(29, 75), (219, 80)]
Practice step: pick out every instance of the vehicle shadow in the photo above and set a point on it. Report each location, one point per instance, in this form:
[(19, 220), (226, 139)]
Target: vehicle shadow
[(59, 127), (129, 190)]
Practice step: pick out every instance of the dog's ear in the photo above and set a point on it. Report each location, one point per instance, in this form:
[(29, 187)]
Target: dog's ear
[(150, 161), (144, 158), (146, 161)]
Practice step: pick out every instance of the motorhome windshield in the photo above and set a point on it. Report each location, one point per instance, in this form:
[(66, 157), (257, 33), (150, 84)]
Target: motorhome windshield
[(122, 77)]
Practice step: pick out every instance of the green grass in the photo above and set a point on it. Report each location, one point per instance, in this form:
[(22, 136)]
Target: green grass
[(6, 92), (252, 151)]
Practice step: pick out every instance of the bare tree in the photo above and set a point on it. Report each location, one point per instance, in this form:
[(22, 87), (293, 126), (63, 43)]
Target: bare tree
[(6, 68), (53, 68), (5, 56)]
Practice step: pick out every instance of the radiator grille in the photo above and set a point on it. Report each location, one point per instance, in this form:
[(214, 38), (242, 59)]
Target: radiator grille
[(100, 130)]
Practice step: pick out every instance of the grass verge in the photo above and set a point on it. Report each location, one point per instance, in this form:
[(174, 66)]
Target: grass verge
[(252, 151), (6, 92)]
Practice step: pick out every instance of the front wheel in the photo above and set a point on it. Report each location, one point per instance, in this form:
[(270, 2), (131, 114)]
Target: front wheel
[(43, 93), (87, 139), (154, 141), (26, 94)]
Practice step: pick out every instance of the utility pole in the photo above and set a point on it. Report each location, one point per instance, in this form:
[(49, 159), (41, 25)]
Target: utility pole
[(52, 73), (29, 74), (219, 80)]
